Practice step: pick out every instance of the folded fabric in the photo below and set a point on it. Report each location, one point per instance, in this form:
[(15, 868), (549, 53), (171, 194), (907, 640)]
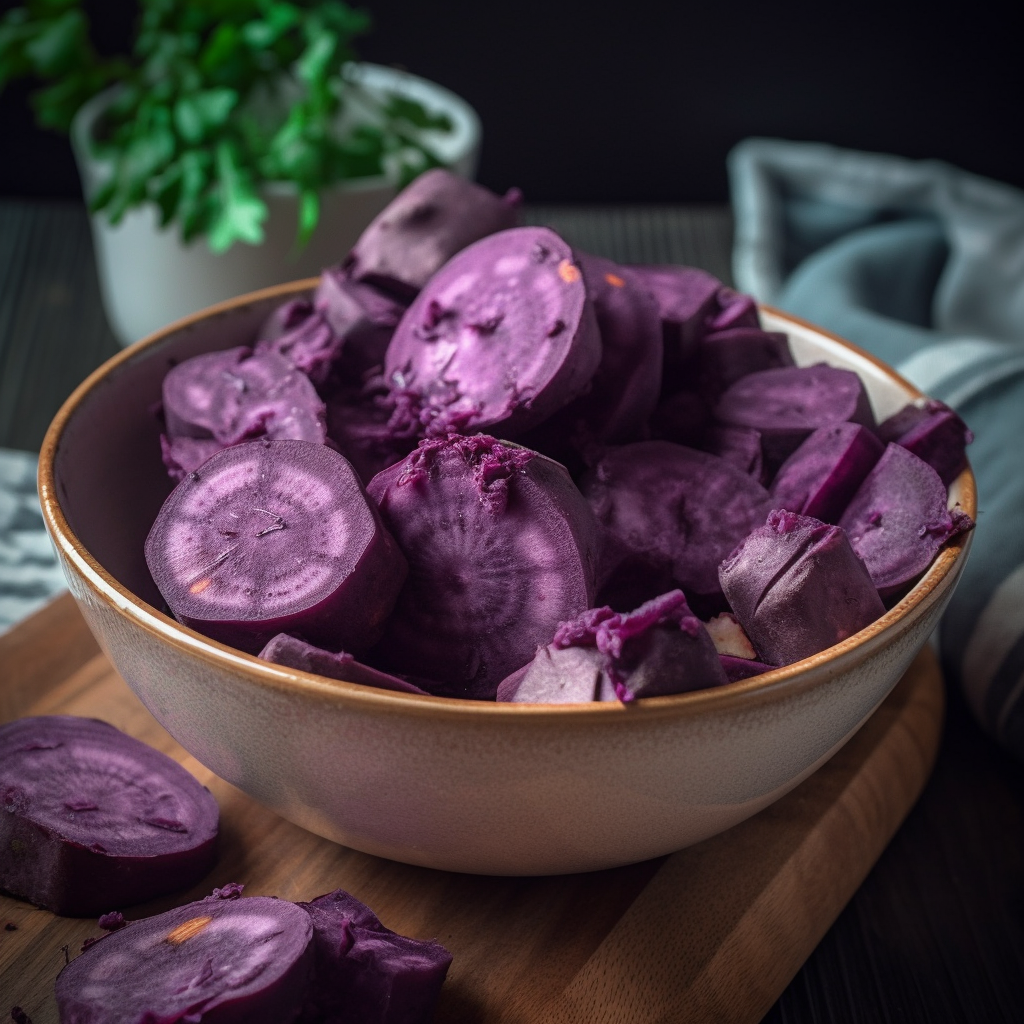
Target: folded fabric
[(29, 573), (923, 265)]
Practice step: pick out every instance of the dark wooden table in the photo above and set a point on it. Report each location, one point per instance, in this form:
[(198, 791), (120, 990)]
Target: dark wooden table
[(936, 932)]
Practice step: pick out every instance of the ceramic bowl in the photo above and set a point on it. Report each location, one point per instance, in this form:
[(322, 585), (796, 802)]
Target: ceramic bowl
[(453, 784)]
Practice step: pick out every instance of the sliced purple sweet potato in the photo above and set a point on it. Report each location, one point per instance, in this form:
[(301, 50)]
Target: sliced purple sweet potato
[(366, 973), (686, 297), (284, 319), (627, 383), (424, 226), (501, 338), (734, 310), (669, 508), (294, 653), (248, 959), (934, 433), (726, 356), (659, 649), (624, 390), (797, 588), (501, 548), (742, 668), (789, 403), (823, 474), (92, 819), (276, 537), (898, 519), (235, 396), (312, 346), (361, 423)]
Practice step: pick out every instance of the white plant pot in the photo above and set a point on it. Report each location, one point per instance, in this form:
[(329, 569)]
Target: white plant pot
[(150, 278)]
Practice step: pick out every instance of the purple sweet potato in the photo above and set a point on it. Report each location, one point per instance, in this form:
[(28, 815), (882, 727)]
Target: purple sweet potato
[(235, 396), (625, 388), (686, 298), (658, 649), (934, 433), (424, 226), (788, 403), (284, 319), (665, 508), (898, 519), (92, 819), (797, 588), (366, 973), (503, 336), (726, 356), (361, 423), (742, 668), (734, 310), (248, 959), (501, 548), (823, 474), (294, 653), (276, 537)]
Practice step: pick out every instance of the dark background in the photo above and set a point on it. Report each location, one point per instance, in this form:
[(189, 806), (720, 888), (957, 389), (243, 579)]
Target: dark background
[(640, 102)]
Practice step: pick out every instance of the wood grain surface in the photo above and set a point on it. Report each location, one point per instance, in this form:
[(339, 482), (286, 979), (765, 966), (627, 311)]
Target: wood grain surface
[(714, 932)]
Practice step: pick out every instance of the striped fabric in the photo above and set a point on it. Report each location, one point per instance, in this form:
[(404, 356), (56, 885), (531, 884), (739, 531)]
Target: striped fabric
[(923, 265), (29, 573)]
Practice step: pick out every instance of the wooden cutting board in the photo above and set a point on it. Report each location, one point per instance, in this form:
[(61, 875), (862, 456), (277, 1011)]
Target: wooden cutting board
[(711, 933)]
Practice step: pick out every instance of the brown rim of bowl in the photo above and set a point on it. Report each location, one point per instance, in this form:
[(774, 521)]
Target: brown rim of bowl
[(794, 678)]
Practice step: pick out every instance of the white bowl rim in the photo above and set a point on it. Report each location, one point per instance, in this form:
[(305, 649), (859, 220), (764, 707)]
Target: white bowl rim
[(796, 677)]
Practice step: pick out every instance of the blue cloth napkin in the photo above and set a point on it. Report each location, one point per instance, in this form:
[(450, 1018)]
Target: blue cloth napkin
[(29, 572), (923, 265)]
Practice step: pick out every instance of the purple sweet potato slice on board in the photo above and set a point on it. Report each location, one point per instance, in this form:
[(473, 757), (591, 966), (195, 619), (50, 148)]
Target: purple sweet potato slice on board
[(659, 648), (501, 338), (726, 356), (788, 403), (276, 537), (294, 653), (898, 519), (234, 396), (92, 819), (823, 474), (424, 226), (366, 973), (797, 588), (673, 509), (248, 959), (501, 548), (934, 433)]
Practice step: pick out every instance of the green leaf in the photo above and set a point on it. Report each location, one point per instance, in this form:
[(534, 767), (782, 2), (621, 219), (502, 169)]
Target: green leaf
[(241, 211), (309, 215), (60, 46), (197, 115), (313, 65)]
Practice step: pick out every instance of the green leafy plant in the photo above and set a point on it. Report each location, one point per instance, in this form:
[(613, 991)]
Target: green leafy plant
[(217, 99)]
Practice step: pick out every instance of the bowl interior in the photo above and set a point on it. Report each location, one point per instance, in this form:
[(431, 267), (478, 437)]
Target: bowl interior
[(107, 470)]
